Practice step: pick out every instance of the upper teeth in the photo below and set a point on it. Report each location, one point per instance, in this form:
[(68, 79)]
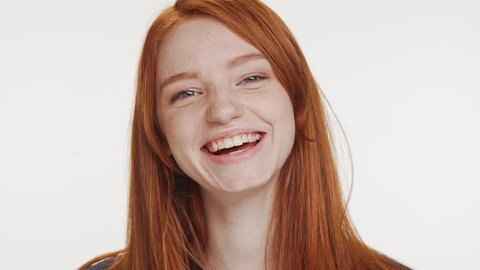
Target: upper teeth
[(230, 142)]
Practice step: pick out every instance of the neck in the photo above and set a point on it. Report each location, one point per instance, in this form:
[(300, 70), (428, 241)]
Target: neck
[(238, 225)]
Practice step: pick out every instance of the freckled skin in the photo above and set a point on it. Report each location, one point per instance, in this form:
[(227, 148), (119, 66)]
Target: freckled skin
[(220, 99)]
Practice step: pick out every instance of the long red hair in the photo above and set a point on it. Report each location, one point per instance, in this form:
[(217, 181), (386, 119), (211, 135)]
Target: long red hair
[(310, 228)]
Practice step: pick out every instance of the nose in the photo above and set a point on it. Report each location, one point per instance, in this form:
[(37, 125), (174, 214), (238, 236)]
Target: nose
[(223, 107)]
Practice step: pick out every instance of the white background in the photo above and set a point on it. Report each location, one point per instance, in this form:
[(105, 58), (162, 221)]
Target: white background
[(402, 76)]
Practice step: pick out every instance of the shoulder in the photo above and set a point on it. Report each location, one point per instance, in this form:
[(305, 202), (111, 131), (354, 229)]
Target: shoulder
[(102, 265)]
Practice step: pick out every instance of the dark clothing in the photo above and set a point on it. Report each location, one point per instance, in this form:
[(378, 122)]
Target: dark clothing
[(102, 265)]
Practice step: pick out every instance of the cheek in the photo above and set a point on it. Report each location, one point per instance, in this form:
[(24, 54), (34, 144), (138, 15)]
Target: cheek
[(287, 124), (281, 108), (174, 133), (284, 117), (179, 129)]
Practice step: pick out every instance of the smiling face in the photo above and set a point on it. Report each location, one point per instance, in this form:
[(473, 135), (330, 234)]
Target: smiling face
[(228, 121)]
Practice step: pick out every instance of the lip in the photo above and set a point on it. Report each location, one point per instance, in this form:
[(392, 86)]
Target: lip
[(230, 133), (235, 158)]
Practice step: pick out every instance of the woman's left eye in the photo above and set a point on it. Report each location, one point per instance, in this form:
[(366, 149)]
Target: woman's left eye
[(252, 79)]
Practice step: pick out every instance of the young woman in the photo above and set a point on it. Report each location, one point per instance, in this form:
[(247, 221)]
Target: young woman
[(232, 163)]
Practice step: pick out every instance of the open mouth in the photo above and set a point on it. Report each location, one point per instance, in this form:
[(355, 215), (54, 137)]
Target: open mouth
[(237, 143)]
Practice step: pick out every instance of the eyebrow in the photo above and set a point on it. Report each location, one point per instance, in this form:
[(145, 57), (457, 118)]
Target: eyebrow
[(178, 77), (242, 59), (239, 60)]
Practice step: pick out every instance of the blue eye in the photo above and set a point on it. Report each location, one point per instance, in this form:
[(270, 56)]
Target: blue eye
[(185, 94), (253, 79)]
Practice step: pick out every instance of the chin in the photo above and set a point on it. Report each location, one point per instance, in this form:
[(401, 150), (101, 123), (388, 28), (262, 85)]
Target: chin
[(256, 183)]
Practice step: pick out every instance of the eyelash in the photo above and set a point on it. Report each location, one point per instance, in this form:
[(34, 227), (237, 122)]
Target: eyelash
[(181, 94), (192, 92), (258, 79)]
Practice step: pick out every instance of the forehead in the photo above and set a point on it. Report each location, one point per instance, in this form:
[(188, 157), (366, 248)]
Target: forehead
[(199, 42)]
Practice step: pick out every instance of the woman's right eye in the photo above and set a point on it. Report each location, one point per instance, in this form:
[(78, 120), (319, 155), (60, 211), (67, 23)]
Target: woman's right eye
[(185, 94)]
